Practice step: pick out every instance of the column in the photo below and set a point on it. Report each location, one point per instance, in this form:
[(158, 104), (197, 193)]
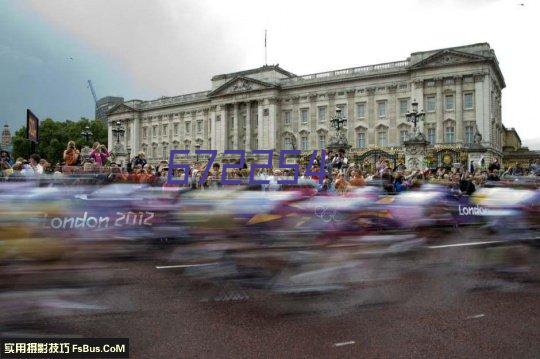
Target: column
[(417, 93), (371, 115), (351, 121), (392, 114), (313, 120), (458, 108), (260, 132), (213, 132), (272, 118), (440, 112), (134, 140), (235, 132), (248, 127), (109, 135), (486, 88), (331, 112), (481, 121), (224, 129)]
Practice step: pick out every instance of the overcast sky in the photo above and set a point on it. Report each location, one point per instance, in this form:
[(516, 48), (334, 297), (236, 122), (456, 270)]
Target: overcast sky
[(147, 49)]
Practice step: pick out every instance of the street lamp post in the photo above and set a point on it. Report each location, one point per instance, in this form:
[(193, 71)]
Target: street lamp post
[(86, 133), (118, 131), (415, 116), (339, 142), (338, 121)]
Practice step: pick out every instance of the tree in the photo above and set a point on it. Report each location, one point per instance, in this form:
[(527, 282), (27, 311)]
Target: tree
[(54, 136)]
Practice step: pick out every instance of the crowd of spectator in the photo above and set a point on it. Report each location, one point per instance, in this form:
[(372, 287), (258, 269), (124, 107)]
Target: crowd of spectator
[(340, 174)]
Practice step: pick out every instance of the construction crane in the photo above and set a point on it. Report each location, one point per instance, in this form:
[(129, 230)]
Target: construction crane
[(92, 89)]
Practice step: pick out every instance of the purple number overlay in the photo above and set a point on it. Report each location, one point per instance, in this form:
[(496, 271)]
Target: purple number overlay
[(319, 173), (226, 166), (254, 166), (213, 155), (173, 166), (283, 164)]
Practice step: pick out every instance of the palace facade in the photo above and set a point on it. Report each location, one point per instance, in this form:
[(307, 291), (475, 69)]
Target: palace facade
[(458, 88)]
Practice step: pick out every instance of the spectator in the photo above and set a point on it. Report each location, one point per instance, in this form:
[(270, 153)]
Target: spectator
[(535, 168), (34, 164), (45, 165), (138, 160), (95, 154), (494, 176), (104, 154), (5, 157), (466, 185), (494, 165), (71, 154), (357, 179), (399, 186)]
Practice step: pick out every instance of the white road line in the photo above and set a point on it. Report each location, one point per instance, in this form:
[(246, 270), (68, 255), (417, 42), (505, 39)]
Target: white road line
[(463, 244), (476, 316), (344, 343), (184, 266)]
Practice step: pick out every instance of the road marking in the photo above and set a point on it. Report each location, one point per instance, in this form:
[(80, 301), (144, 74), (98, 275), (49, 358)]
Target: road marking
[(344, 343), (476, 316), (463, 244), (184, 266)]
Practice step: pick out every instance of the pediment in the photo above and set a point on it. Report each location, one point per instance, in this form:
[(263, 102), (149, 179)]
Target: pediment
[(448, 57), (240, 84), (121, 108)]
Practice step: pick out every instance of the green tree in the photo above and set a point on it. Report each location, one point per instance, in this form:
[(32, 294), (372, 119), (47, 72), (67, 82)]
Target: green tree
[(54, 136)]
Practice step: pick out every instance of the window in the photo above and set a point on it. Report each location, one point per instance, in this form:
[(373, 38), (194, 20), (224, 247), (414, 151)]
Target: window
[(361, 140), (164, 154), (188, 127), (449, 133), (382, 137), (304, 115), (175, 128), (304, 143), (322, 113), (431, 135), (469, 134), (403, 106), (144, 132), (154, 131), (175, 145), (266, 112), (165, 130), (322, 141), (382, 108), (287, 117), (361, 110), (403, 136), (430, 104), (199, 126), (154, 152), (343, 108), (288, 143), (159, 130), (468, 101), (449, 102), (186, 146)]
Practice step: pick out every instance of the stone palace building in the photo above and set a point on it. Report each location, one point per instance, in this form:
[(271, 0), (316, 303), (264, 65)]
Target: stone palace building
[(458, 88)]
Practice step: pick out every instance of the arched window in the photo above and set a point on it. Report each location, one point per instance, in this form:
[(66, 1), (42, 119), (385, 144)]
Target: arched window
[(304, 142), (382, 136), (449, 132), (361, 139), (322, 140)]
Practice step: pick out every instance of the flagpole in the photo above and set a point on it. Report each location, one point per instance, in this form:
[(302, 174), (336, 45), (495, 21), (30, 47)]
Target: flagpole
[(265, 53)]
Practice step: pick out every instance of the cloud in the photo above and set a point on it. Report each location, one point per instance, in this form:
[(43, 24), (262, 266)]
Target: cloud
[(166, 47)]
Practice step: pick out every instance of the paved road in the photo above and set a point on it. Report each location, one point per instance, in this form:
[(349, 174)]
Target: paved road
[(167, 319)]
